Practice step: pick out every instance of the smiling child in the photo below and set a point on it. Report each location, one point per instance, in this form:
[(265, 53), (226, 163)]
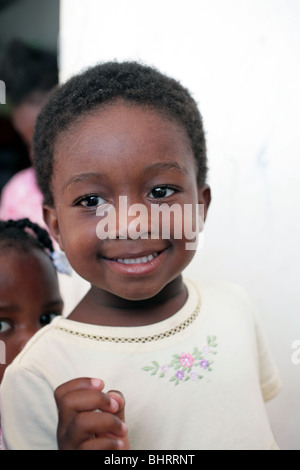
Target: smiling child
[(187, 358)]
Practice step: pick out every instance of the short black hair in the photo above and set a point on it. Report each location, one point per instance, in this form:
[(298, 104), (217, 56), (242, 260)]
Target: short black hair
[(26, 70), (24, 235), (105, 83)]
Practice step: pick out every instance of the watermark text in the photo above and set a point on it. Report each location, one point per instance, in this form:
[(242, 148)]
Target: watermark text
[(296, 354), (2, 353), (160, 221), (2, 92)]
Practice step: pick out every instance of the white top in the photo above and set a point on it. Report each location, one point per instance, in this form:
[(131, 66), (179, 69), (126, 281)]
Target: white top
[(197, 380)]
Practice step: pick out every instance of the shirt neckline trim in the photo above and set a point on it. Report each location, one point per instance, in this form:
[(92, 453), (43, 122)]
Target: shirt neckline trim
[(124, 335)]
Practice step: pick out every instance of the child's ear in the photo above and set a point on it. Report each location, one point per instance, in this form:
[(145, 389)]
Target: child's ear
[(50, 218), (204, 197)]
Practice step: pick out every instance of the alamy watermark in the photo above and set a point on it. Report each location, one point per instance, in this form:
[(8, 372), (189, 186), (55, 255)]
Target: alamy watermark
[(296, 354), (2, 92), (161, 221), (2, 353)]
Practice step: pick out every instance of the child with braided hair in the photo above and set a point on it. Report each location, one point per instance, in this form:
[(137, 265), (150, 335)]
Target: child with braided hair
[(29, 291)]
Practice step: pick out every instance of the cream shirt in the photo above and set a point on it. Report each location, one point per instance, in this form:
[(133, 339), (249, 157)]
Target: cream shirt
[(197, 380)]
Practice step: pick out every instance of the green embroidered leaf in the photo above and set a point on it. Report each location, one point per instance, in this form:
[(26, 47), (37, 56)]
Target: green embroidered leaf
[(172, 379), (155, 364), (162, 375), (197, 354), (211, 340), (147, 368)]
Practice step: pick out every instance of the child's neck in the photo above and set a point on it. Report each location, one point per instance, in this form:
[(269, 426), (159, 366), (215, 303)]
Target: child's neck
[(103, 308)]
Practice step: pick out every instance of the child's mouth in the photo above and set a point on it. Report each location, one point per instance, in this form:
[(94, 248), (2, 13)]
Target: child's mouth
[(142, 259), (137, 265)]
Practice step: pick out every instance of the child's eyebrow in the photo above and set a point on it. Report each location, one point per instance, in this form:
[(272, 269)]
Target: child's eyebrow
[(82, 177), (8, 308), (54, 303), (159, 166), (165, 166)]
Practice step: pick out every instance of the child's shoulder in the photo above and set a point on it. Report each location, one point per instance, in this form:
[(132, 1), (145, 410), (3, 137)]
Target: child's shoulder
[(220, 289), (222, 299)]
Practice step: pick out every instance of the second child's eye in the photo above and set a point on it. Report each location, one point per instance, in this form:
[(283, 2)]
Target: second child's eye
[(47, 318), (161, 192), (4, 326), (91, 201)]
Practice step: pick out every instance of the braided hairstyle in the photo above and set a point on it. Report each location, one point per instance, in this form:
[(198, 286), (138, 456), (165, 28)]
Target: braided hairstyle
[(24, 235)]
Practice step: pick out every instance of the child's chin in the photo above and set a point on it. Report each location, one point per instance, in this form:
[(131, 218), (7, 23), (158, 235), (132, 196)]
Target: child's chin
[(137, 293)]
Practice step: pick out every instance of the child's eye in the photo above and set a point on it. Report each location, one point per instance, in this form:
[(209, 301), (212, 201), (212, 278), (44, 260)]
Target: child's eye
[(4, 326), (90, 201), (161, 192), (47, 318)]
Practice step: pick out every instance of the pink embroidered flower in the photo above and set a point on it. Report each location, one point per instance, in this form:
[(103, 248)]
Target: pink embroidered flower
[(186, 360), (205, 349), (165, 369)]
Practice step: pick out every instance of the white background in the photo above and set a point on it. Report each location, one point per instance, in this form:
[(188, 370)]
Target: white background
[(240, 60)]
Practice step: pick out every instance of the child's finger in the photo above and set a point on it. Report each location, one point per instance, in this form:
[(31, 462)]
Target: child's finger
[(80, 395), (102, 444), (80, 383), (88, 400), (91, 425), (119, 398), (120, 413), (79, 402)]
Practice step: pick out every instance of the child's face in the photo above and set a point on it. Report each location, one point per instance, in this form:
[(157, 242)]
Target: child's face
[(24, 118), (29, 299), (130, 151)]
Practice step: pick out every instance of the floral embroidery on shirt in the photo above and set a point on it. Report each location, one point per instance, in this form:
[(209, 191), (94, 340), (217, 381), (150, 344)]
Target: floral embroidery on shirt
[(186, 366)]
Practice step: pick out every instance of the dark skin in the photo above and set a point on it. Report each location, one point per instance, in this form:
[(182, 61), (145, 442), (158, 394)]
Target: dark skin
[(132, 151), (29, 298), (80, 427)]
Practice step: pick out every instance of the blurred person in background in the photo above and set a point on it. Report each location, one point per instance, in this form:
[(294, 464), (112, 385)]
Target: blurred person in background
[(30, 75)]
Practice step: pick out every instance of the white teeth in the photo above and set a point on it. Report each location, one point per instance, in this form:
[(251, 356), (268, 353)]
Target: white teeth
[(144, 259)]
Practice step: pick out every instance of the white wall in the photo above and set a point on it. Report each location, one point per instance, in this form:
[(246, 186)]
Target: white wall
[(240, 59)]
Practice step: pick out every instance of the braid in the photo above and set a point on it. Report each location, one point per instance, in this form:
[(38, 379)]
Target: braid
[(42, 235), (25, 234)]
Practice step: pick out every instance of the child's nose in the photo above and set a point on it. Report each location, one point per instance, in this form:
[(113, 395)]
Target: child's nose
[(129, 214), (133, 221)]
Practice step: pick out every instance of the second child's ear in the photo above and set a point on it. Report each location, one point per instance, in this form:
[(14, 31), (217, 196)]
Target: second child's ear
[(50, 218), (204, 197)]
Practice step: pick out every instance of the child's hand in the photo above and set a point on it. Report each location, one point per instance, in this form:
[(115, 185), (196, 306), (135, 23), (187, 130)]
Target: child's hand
[(89, 419)]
